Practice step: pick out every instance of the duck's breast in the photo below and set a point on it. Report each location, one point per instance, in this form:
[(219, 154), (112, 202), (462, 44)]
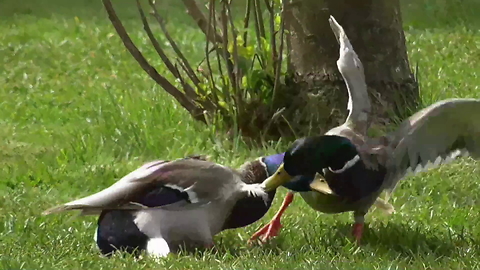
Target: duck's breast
[(325, 203), (357, 182)]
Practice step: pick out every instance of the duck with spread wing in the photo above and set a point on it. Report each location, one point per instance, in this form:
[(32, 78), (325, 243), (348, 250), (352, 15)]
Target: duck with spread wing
[(357, 168)]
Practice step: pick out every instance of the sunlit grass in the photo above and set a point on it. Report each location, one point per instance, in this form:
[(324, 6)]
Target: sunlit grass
[(77, 113)]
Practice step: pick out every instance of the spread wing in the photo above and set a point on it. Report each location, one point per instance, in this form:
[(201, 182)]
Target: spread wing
[(158, 184), (436, 135)]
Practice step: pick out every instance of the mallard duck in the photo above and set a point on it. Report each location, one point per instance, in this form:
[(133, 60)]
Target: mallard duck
[(357, 169), (163, 205)]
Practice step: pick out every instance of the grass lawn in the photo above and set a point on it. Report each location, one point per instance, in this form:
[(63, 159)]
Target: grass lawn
[(77, 113)]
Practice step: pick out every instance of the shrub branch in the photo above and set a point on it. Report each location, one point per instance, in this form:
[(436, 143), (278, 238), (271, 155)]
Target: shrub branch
[(184, 100)]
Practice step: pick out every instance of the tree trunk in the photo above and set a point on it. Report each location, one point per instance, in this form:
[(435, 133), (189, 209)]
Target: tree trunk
[(374, 28)]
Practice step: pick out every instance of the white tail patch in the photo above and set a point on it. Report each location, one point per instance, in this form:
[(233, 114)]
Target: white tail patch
[(158, 247), (347, 165)]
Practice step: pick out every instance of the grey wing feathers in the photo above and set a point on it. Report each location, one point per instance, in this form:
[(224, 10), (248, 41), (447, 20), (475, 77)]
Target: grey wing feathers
[(433, 136), (206, 181), (201, 180), (117, 195)]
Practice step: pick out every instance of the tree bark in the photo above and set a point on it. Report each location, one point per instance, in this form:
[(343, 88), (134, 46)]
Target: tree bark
[(374, 28)]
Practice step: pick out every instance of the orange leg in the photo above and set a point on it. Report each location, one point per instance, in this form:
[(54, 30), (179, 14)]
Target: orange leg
[(357, 230), (272, 229)]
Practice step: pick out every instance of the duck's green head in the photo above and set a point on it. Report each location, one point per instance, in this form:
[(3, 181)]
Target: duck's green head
[(308, 156)]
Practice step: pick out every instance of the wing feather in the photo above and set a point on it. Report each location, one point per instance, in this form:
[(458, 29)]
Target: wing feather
[(436, 135), (158, 184), (117, 195)]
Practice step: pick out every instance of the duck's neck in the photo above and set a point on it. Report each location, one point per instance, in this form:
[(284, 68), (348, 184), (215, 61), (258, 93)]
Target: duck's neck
[(250, 209), (343, 159), (273, 162), (255, 172)]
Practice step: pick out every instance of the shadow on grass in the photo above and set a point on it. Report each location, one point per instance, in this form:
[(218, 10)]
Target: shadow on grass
[(405, 241), (391, 240), (395, 241)]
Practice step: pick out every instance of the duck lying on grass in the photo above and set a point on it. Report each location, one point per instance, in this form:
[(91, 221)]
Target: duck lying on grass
[(164, 205), (358, 168)]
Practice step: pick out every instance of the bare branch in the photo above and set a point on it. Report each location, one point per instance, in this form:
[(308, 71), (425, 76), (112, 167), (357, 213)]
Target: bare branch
[(246, 21), (274, 118), (226, 54), (289, 23), (154, 41), (218, 52), (259, 17), (207, 103), (278, 67), (272, 30), (191, 74), (194, 11), (352, 72), (236, 68), (187, 88), (182, 81), (257, 28), (184, 101), (207, 51)]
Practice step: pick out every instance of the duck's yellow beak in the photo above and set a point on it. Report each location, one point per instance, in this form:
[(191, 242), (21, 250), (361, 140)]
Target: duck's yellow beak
[(279, 178)]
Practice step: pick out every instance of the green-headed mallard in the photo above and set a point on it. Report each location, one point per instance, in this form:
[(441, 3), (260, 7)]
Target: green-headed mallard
[(358, 168), (165, 204)]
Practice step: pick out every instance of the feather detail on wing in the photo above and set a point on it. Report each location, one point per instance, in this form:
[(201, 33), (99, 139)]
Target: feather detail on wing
[(117, 195), (154, 184), (173, 185), (351, 68), (434, 136)]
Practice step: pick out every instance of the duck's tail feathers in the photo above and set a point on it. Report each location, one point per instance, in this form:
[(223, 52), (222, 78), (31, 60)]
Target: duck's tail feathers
[(115, 195), (86, 210), (61, 208), (109, 198)]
